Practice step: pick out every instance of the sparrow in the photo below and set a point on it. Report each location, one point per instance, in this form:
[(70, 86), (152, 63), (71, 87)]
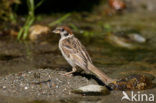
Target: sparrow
[(76, 55)]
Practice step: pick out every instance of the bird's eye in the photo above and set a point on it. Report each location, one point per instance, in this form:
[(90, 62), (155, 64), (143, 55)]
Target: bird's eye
[(62, 29), (66, 34)]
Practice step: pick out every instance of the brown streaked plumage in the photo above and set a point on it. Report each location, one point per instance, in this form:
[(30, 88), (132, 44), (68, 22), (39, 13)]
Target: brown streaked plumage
[(76, 55), (75, 50)]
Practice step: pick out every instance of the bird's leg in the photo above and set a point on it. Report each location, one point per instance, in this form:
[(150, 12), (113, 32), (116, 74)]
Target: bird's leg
[(68, 73)]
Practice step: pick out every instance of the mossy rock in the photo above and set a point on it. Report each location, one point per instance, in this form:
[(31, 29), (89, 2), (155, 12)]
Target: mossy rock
[(132, 82)]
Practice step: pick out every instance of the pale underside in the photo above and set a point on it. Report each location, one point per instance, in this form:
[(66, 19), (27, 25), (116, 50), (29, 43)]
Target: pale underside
[(74, 52)]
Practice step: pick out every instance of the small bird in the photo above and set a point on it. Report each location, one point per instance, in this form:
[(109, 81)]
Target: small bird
[(76, 55)]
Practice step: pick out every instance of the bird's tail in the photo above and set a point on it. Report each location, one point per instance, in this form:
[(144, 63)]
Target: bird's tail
[(101, 75)]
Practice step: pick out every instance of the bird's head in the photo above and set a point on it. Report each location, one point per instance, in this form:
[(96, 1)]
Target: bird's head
[(63, 31)]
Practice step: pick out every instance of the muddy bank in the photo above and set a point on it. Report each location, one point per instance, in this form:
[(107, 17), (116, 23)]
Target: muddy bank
[(41, 83)]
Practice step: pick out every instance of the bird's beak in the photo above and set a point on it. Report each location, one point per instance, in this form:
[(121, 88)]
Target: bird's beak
[(56, 31)]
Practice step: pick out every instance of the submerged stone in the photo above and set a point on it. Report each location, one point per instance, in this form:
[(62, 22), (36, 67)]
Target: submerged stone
[(92, 90), (137, 38), (124, 40), (120, 42), (38, 31)]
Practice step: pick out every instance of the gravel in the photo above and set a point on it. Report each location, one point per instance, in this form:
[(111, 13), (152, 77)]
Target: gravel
[(41, 83)]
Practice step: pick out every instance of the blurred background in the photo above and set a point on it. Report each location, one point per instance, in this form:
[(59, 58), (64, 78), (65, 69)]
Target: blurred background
[(120, 35)]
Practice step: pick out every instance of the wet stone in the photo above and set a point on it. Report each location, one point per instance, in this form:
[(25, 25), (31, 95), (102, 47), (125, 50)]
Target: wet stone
[(92, 90), (132, 82)]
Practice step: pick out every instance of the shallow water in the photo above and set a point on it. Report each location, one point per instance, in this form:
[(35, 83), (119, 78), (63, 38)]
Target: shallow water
[(18, 56)]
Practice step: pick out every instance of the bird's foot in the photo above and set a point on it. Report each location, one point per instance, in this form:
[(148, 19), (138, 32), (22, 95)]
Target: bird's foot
[(68, 74)]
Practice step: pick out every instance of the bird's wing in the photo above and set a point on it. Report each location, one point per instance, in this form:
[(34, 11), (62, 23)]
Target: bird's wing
[(76, 51)]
